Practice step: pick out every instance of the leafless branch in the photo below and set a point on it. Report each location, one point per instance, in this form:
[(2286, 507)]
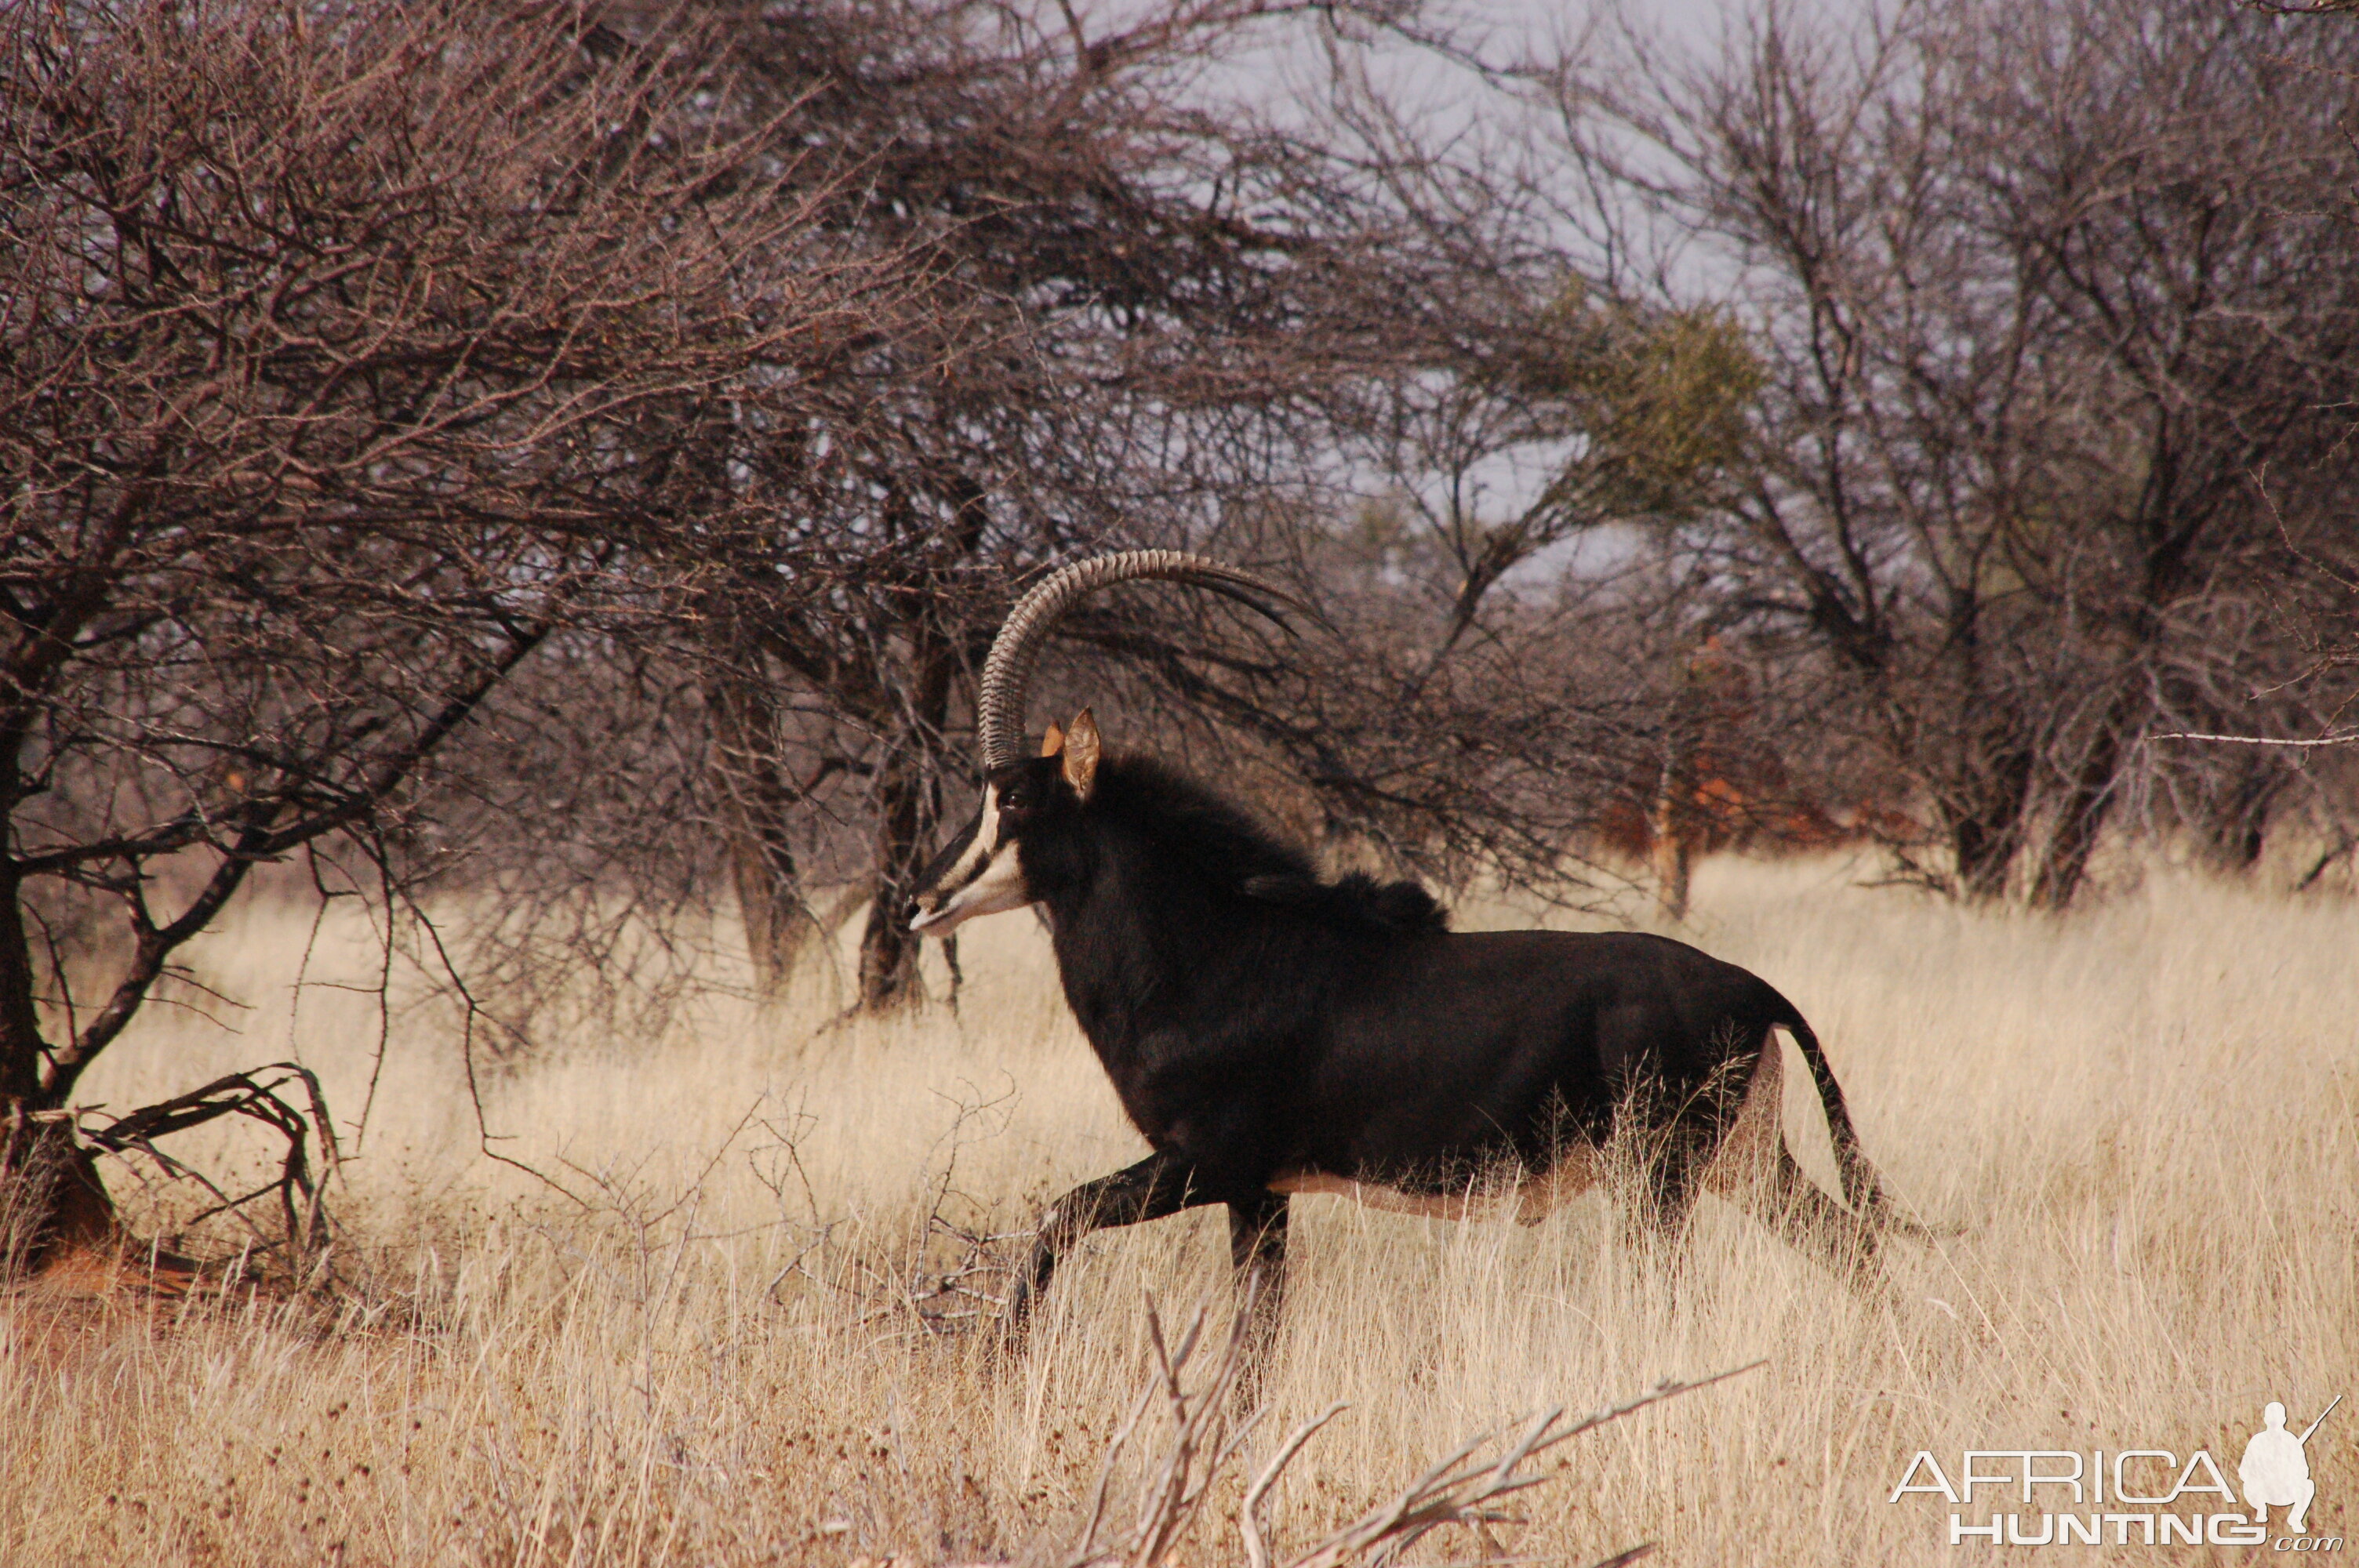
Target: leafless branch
[(1461, 1488)]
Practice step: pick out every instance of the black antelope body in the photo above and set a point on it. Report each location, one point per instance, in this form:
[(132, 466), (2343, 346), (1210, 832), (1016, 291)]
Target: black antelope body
[(1273, 1033)]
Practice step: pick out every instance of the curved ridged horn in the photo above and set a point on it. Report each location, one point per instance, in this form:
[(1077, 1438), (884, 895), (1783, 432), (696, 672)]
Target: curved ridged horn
[(1007, 672)]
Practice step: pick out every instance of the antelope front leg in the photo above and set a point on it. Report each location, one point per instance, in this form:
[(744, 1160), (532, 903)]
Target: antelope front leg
[(1158, 1185)]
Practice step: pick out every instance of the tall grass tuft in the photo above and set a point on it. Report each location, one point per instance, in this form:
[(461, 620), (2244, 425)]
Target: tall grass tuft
[(727, 1316)]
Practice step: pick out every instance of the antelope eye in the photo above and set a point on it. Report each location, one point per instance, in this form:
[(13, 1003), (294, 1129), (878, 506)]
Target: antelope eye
[(1015, 797)]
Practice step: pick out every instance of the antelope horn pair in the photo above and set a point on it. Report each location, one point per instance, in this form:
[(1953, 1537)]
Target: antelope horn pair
[(1016, 651)]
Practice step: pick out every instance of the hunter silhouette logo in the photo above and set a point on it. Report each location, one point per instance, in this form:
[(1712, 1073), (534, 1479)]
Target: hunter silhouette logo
[(2125, 1497), (2276, 1468)]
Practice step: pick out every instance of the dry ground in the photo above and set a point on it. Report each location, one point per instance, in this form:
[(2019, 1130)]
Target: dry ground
[(2143, 1117)]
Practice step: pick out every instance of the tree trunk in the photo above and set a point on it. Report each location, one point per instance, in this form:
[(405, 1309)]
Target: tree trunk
[(2064, 862), (1986, 826), (52, 1199), (889, 948), (767, 881), (1671, 837), (2232, 824), (906, 806)]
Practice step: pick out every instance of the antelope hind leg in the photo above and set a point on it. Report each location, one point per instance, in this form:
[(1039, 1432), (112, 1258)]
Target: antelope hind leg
[(1258, 1251), (1756, 1170)]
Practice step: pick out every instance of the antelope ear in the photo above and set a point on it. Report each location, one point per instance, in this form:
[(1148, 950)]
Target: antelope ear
[(1053, 742), (1082, 751)]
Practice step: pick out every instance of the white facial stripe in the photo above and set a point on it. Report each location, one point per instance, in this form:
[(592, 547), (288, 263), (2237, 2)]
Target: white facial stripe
[(986, 879), (984, 844), (1001, 886)]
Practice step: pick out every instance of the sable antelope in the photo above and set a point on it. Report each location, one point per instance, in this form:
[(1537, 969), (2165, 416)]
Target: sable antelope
[(1273, 1033)]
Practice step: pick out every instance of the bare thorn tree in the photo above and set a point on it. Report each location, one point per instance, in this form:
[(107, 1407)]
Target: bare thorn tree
[(338, 345)]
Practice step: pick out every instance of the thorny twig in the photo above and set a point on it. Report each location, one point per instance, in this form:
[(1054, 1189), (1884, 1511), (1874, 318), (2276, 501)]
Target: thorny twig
[(920, 1288), (2349, 739), (1461, 1488)]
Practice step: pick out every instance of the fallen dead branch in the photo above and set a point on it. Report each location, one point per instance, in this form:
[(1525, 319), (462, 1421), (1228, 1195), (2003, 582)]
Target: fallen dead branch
[(1465, 1487), (256, 1095)]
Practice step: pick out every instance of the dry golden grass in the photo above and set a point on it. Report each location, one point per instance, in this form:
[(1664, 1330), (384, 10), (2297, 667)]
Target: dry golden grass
[(2143, 1115)]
